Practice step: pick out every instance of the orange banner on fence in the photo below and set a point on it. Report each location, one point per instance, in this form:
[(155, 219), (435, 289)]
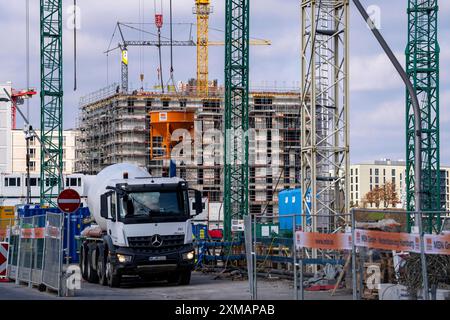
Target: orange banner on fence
[(325, 241), (437, 244), (32, 233), (387, 240)]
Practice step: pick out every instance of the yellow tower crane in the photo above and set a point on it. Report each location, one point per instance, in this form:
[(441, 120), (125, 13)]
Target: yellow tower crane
[(203, 9)]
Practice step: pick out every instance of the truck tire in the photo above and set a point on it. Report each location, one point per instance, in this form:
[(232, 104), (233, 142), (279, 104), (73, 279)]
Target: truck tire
[(101, 265), (185, 278), (113, 279), (83, 261), (180, 278), (92, 275)]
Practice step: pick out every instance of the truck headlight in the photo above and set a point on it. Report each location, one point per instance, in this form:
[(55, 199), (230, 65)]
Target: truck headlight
[(189, 255), (123, 258)]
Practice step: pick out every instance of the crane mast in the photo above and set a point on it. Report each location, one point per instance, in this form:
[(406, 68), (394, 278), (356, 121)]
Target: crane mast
[(236, 112), (202, 10), (51, 100), (422, 64)]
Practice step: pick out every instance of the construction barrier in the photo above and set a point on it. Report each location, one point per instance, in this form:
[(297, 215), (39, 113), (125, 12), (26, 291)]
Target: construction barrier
[(53, 248), (313, 260), (3, 260), (36, 250)]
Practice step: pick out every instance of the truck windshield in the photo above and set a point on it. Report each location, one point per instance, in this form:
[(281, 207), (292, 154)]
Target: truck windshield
[(151, 204)]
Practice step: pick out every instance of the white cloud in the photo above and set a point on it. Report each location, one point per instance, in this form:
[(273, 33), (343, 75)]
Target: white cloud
[(373, 73)]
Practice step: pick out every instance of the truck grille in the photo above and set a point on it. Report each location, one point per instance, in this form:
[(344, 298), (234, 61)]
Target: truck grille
[(144, 244)]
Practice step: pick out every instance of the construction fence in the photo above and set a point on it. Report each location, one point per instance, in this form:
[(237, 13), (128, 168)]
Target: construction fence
[(370, 254), (35, 246)]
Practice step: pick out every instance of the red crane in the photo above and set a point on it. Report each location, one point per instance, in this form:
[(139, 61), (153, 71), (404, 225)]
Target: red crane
[(17, 99)]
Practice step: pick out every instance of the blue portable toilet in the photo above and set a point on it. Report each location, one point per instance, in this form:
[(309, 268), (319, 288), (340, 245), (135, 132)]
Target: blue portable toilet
[(289, 203)]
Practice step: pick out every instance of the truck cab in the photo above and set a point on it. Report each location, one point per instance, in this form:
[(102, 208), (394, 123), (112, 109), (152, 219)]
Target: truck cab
[(148, 231)]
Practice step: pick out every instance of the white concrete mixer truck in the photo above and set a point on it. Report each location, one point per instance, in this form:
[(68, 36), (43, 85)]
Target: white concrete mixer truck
[(143, 227)]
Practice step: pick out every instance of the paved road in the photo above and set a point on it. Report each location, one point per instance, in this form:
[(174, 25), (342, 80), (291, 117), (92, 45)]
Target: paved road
[(202, 287)]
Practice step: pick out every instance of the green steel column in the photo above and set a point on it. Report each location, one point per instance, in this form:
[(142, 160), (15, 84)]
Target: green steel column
[(422, 63), (236, 112), (51, 100)]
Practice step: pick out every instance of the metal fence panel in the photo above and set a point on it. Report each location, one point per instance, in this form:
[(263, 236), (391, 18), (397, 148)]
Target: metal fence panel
[(53, 247), (25, 249)]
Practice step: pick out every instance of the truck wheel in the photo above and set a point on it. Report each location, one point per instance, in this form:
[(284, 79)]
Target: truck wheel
[(185, 278), (83, 261), (180, 278), (92, 276), (113, 279), (101, 265)]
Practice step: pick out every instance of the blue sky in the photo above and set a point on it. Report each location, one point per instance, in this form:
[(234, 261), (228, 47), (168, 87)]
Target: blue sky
[(377, 107)]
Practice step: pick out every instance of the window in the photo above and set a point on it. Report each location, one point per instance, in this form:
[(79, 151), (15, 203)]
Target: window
[(393, 172), (351, 171), (32, 141), (377, 180), (371, 180), (357, 189), (351, 180), (351, 188), (370, 171), (371, 187), (356, 171), (183, 103), (165, 103), (400, 177), (12, 182), (33, 182), (79, 182), (130, 103), (393, 180), (32, 153), (356, 179), (131, 110), (377, 172), (148, 103), (32, 165), (384, 172)]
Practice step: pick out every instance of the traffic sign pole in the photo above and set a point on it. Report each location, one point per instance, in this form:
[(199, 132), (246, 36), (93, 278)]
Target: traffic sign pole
[(69, 201)]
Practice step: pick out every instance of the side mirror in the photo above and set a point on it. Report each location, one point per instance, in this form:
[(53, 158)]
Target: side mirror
[(198, 202), (104, 206)]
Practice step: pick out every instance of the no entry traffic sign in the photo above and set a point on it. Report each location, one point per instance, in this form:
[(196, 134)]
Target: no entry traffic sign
[(69, 201)]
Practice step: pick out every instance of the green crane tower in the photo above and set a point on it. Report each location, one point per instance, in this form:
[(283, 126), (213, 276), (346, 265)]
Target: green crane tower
[(422, 64), (51, 100), (236, 112)]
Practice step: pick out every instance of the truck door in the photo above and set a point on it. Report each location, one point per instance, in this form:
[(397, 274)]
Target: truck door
[(115, 228)]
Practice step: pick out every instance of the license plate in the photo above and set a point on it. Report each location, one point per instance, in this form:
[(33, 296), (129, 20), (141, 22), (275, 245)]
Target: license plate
[(159, 258)]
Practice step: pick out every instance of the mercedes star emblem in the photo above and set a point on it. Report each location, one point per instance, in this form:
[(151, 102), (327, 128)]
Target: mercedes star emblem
[(157, 241)]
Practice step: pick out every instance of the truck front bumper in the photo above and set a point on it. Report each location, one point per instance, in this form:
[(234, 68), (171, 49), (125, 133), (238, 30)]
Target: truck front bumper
[(148, 263)]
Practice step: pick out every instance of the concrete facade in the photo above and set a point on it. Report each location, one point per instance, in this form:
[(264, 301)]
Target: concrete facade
[(18, 155), (5, 129)]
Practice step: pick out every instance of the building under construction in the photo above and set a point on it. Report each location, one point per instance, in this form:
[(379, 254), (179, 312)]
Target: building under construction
[(140, 128)]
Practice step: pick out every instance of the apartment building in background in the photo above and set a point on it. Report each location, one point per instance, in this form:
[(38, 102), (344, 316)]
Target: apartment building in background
[(364, 177)]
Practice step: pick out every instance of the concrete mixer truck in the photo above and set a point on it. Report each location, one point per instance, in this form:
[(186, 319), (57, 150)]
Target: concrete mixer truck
[(142, 227)]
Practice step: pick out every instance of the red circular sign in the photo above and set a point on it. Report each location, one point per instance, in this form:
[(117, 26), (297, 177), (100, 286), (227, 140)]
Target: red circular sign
[(69, 201)]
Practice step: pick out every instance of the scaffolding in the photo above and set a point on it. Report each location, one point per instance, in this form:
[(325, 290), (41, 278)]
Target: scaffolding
[(114, 128)]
